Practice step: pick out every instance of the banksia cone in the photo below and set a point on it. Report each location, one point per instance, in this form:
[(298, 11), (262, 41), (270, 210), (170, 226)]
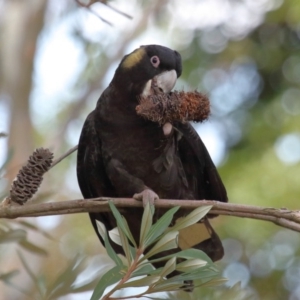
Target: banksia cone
[(174, 107), (30, 176)]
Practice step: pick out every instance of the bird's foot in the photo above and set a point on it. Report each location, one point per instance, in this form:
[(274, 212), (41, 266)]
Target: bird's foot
[(147, 196)]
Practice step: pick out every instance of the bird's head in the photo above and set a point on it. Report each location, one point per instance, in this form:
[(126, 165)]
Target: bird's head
[(146, 67)]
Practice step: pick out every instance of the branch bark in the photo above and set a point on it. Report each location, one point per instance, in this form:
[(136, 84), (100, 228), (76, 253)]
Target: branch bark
[(283, 217)]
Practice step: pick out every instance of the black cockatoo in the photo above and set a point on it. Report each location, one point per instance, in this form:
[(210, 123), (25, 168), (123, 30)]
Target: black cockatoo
[(120, 154)]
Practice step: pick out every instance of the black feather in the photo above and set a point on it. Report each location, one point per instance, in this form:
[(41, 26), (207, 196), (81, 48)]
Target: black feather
[(120, 153)]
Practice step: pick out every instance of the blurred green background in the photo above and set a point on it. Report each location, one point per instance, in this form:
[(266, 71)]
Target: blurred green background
[(55, 60)]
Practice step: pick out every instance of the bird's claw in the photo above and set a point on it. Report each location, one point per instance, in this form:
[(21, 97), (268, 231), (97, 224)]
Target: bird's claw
[(147, 196)]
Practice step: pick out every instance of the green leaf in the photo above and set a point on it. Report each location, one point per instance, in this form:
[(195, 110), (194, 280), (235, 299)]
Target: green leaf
[(116, 213), (112, 276), (166, 287), (146, 281), (27, 268), (125, 245), (35, 228), (101, 229), (31, 274), (214, 282), (132, 251), (121, 223), (61, 285), (202, 274), (187, 254), (32, 247), (143, 269), (110, 251), (167, 242), (6, 277), (13, 235), (190, 265), (160, 226), (128, 233), (146, 223), (169, 267), (84, 287), (192, 218), (115, 236)]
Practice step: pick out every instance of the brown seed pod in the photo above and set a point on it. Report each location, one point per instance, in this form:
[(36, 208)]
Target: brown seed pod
[(30, 176), (174, 107)]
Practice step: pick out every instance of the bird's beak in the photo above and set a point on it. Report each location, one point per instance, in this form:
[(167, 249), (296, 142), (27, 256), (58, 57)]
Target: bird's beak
[(164, 82)]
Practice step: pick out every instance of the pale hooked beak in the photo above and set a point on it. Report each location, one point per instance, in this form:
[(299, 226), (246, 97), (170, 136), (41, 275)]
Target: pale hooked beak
[(164, 82)]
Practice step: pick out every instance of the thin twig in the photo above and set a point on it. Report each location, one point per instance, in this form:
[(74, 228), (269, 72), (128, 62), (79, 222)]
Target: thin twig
[(88, 7), (97, 80), (282, 217), (119, 11), (58, 160)]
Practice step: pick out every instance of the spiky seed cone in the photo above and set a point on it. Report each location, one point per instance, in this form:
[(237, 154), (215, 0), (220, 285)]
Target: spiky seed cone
[(174, 107), (30, 176)]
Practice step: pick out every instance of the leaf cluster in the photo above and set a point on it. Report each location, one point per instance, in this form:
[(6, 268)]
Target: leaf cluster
[(137, 270)]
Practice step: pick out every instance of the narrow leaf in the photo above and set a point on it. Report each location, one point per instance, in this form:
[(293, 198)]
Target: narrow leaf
[(27, 268), (143, 269), (66, 279), (146, 281), (202, 274), (169, 267), (32, 247), (155, 271), (110, 251), (132, 251), (166, 287), (187, 254), (160, 226), (112, 276), (101, 229), (167, 242), (214, 282), (14, 235), (190, 265), (116, 213), (146, 223), (128, 233), (84, 287), (120, 222), (125, 245), (35, 228), (6, 277), (31, 274), (192, 218), (115, 236)]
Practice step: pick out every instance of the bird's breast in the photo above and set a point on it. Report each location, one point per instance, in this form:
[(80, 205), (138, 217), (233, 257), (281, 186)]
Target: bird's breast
[(141, 147)]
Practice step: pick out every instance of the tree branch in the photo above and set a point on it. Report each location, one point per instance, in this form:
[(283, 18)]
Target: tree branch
[(282, 217)]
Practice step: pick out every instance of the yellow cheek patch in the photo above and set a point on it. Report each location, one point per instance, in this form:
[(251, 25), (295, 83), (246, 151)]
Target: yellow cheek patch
[(192, 235), (134, 58)]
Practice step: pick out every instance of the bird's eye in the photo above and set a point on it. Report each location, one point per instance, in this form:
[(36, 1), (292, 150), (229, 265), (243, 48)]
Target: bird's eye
[(155, 61)]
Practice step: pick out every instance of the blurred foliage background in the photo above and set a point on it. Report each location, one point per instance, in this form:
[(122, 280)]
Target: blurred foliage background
[(55, 60)]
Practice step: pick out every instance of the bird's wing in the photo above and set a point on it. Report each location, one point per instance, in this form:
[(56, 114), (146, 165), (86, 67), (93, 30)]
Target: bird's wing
[(205, 182), (91, 174), (200, 171)]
